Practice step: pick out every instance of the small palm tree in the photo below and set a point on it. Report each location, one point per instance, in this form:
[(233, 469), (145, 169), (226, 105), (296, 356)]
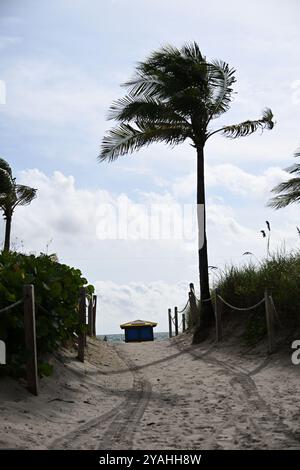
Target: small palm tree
[(174, 96), (288, 191), (11, 196)]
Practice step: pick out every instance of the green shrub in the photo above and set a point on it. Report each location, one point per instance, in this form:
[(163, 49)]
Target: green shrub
[(56, 293)]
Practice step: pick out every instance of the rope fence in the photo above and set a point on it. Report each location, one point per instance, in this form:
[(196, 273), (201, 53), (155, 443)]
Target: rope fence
[(87, 320), (174, 319), (10, 307), (29, 336), (186, 305), (192, 308), (241, 309), (87, 325)]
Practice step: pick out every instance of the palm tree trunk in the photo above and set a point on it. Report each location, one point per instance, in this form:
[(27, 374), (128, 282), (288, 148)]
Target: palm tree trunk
[(8, 218), (207, 312)]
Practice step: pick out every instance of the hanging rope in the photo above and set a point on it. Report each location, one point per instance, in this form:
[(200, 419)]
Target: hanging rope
[(182, 310), (202, 300), (241, 309), (6, 309), (206, 300)]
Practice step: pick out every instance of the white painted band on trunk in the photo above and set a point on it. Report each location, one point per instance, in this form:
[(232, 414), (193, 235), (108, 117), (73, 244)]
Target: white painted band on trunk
[(2, 352), (201, 225)]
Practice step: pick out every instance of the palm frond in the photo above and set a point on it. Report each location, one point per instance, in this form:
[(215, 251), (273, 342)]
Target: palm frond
[(296, 167), (168, 71), (4, 165), (150, 76), (293, 169), (288, 191), (173, 95), (160, 59), (292, 184), (192, 51), (284, 200), (134, 109), (8, 200), (221, 78), (297, 153), (249, 127), (24, 195), (144, 84), (125, 138), (6, 182)]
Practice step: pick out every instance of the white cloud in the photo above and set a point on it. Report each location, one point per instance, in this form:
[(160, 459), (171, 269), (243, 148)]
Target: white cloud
[(233, 179), (243, 183), (119, 303)]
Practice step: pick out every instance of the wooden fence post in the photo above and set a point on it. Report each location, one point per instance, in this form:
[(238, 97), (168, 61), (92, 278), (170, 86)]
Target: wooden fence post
[(170, 322), (30, 340), (270, 321), (90, 317), (183, 322), (82, 322), (218, 316), (86, 321), (192, 289), (176, 321), (193, 305), (94, 314)]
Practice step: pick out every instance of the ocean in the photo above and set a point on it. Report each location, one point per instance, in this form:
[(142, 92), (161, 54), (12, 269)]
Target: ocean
[(158, 336)]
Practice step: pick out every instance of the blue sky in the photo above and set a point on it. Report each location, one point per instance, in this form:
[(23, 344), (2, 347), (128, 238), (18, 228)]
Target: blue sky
[(62, 63)]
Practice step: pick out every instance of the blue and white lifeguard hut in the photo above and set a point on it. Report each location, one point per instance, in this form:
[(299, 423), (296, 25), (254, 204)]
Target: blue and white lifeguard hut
[(138, 330)]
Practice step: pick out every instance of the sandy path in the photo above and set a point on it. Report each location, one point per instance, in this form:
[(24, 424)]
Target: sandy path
[(72, 406), (157, 395), (122, 428), (200, 401)]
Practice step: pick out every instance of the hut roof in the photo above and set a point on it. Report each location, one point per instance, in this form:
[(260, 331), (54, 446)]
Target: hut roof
[(137, 323)]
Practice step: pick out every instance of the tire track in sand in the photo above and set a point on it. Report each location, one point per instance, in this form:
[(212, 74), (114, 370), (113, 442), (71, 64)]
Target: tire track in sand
[(261, 418), (120, 432), (114, 429)]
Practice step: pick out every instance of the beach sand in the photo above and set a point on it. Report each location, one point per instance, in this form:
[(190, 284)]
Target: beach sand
[(157, 395)]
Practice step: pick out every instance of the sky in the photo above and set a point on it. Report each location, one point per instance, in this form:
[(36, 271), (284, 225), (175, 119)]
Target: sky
[(62, 63)]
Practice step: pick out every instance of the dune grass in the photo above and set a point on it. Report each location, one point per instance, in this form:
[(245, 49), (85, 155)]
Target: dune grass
[(280, 273), (244, 286)]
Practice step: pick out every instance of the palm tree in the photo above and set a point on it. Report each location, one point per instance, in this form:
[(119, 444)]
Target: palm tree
[(11, 196), (174, 96), (288, 191)]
